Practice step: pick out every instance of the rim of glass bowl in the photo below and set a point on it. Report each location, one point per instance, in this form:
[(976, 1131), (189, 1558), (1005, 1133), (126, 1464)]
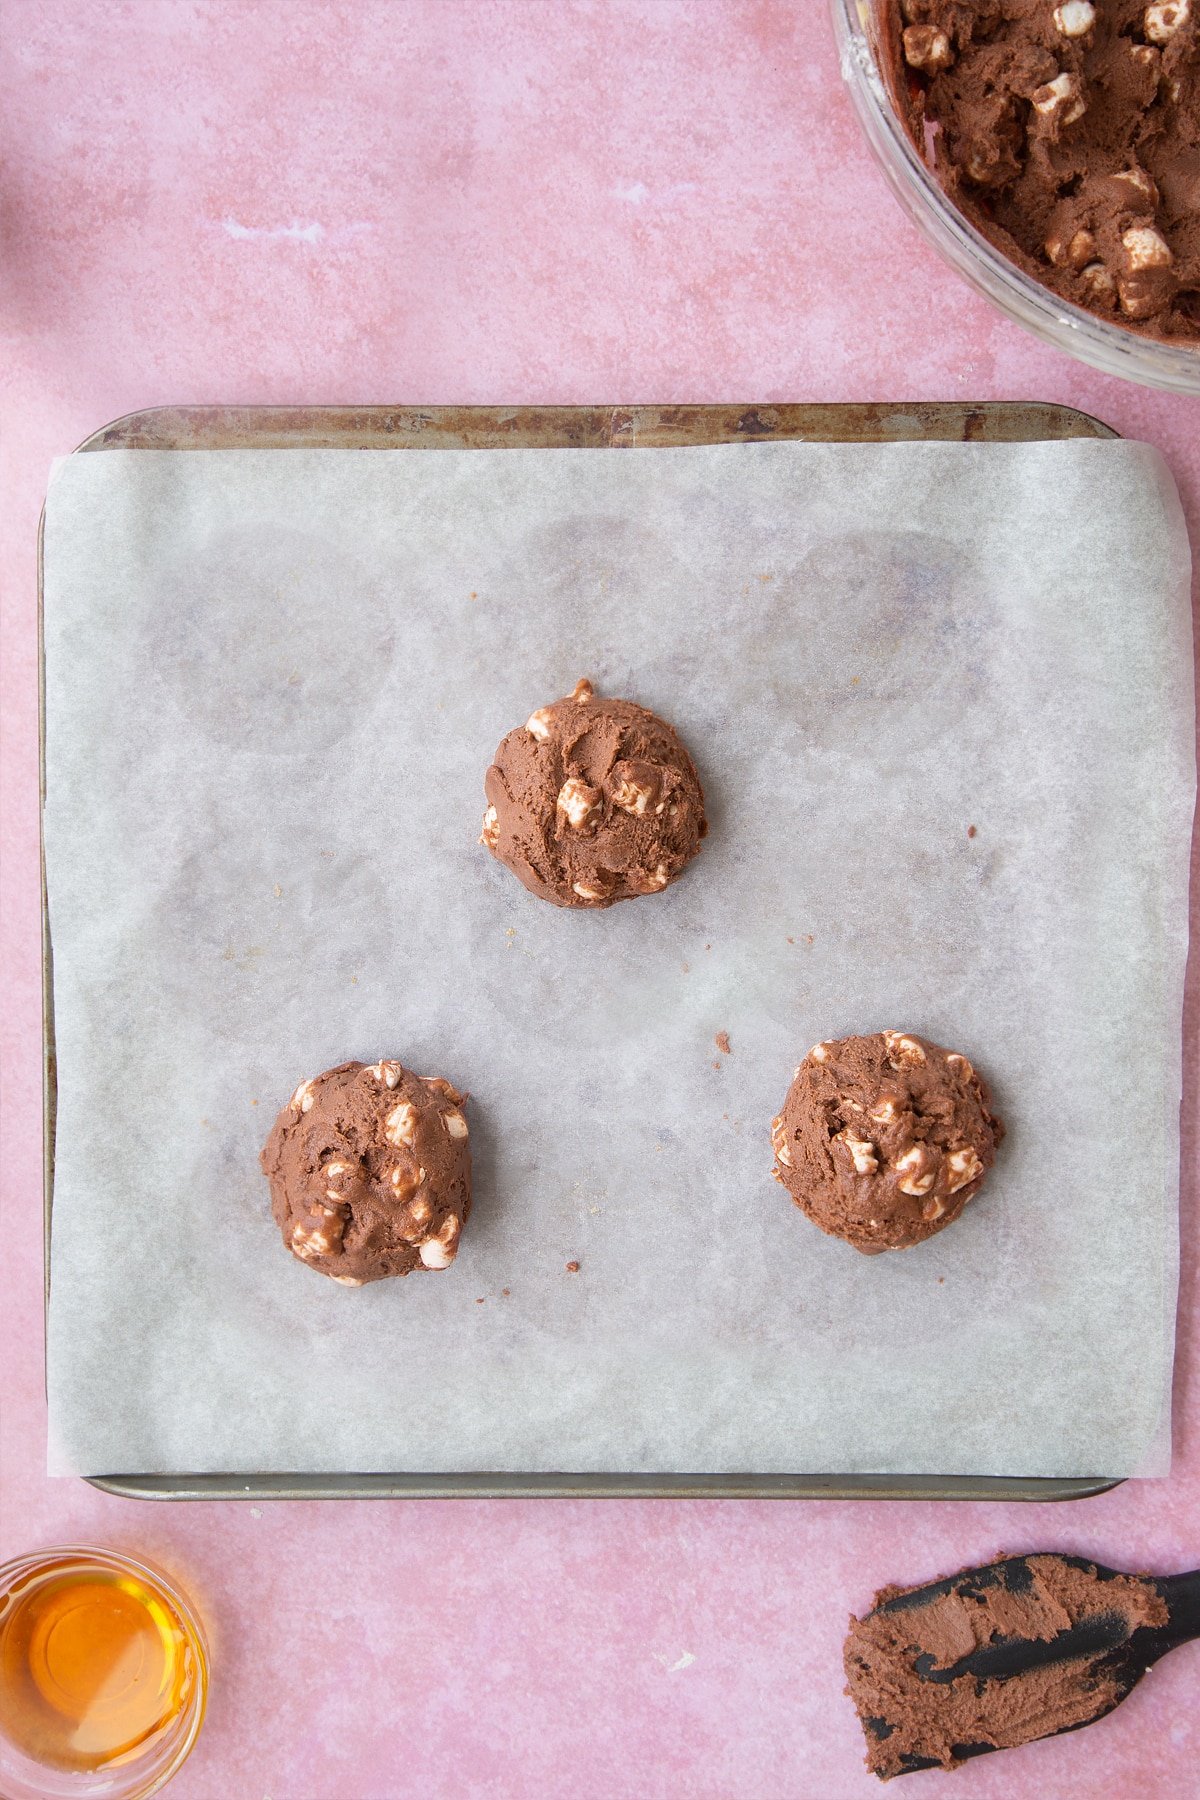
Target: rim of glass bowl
[(1108, 347)]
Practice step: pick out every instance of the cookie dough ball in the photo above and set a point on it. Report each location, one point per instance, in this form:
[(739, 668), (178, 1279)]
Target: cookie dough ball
[(593, 801), (882, 1140), (370, 1172)]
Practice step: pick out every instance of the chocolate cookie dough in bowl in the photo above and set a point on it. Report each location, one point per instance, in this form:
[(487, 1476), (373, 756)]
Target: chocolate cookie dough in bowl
[(884, 1139), (1047, 151), (592, 801), (369, 1167)]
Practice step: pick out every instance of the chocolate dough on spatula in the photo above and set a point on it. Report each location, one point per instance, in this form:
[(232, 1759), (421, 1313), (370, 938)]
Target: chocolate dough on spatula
[(997, 1656)]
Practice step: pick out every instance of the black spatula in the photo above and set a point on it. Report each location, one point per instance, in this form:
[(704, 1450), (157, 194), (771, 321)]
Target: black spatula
[(1016, 1673)]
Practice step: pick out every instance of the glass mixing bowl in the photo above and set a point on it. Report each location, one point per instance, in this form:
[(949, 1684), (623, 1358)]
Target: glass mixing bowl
[(1114, 349)]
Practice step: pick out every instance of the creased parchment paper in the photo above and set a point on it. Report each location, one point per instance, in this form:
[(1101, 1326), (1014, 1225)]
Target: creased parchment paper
[(275, 680)]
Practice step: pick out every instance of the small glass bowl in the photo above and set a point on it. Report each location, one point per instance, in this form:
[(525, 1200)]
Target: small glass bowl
[(858, 25), (103, 1677)]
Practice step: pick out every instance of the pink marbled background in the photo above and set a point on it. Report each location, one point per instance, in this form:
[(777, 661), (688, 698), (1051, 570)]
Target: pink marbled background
[(499, 200)]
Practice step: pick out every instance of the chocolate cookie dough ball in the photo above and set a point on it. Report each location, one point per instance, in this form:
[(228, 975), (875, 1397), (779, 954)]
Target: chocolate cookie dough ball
[(370, 1172), (882, 1140), (593, 801)]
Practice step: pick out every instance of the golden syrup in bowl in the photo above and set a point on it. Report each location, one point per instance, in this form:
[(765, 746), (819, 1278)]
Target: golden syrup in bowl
[(103, 1673)]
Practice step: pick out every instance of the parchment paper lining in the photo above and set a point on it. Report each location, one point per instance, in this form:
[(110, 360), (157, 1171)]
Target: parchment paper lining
[(274, 681)]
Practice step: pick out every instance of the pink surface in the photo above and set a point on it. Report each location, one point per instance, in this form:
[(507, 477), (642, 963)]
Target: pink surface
[(471, 200)]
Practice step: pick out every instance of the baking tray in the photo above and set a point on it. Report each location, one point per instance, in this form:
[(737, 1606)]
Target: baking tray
[(549, 427)]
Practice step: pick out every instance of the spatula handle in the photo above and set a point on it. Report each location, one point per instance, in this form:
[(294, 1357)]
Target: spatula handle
[(1182, 1595)]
